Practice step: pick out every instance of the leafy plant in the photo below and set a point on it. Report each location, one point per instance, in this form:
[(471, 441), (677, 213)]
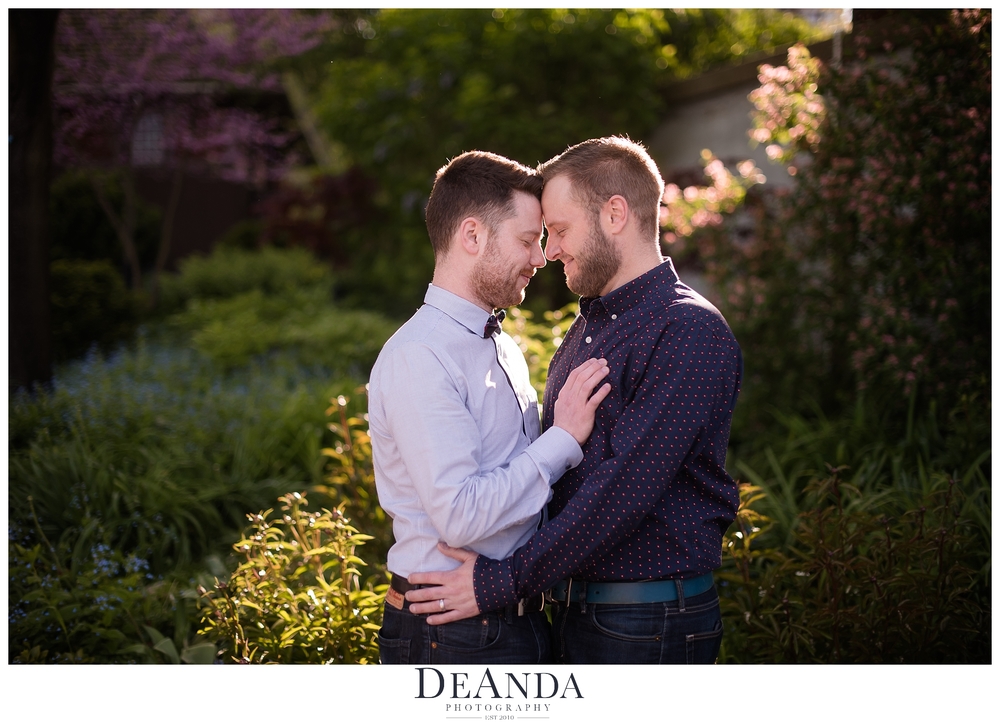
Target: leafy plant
[(856, 584), (350, 479), (232, 271), (296, 596), (871, 276), (99, 606), (858, 540), (153, 452), (428, 84), (234, 330), (89, 305)]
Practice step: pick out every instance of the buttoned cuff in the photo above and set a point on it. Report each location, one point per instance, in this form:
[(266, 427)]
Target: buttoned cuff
[(555, 452), (493, 583)]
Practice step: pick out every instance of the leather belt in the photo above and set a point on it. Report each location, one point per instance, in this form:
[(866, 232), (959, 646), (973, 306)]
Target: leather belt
[(628, 592), (523, 606)]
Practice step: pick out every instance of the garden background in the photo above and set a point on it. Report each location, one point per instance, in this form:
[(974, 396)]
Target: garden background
[(189, 471)]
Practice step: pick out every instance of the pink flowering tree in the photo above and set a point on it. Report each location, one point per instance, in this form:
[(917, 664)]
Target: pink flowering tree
[(872, 275), (181, 90)]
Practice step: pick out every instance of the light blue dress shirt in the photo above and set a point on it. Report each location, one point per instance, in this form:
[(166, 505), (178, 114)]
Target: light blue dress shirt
[(456, 440)]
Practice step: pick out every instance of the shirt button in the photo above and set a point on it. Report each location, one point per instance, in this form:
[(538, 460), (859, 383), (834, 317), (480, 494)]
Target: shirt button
[(587, 339), (614, 317)]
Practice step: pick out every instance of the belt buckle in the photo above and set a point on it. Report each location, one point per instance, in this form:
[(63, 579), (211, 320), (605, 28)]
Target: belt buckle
[(523, 603)]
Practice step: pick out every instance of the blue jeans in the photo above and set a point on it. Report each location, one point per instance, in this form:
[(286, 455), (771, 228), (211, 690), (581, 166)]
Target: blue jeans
[(685, 631), (491, 638)]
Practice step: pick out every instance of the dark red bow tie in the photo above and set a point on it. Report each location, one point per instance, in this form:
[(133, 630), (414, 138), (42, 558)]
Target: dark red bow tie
[(493, 323)]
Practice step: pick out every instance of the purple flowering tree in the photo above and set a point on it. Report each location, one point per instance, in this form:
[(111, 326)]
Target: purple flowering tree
[(176, 89)]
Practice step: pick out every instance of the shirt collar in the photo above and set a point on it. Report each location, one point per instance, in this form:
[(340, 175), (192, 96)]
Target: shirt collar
[(648, 286), (464, 312)]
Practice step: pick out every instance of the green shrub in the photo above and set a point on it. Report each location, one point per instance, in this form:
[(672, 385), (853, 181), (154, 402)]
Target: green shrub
[(860, 540), (856, 584), (79, 228), (153, 452), (350, 480), (872, 274), (90, 305), (230, 271), (102, 606), (296, 597), (304, 321)]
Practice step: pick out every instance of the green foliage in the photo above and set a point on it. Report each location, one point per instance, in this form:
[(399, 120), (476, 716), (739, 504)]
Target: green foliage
[(103, 607), (859, 582), (873, 274), (538, 341), (350, 479), (236, 305), (89, 305), (80, 230), (230, 271), (525, 83), (296, 598), (695, 40), (152, 455), (232, 331), (153, 452), (860, 541)]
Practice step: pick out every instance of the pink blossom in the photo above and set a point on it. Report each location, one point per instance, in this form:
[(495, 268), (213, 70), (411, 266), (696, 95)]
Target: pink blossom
[(671, 193)]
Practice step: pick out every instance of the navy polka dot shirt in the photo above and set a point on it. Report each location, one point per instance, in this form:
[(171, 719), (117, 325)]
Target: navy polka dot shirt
[(652, 498)]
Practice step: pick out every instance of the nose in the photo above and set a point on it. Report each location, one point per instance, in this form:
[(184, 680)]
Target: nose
[(552, 248), (537, 256)]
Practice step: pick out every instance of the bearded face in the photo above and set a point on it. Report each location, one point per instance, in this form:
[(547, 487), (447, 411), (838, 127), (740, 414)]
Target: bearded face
[(512, 253), (594, 265), (497, 280)]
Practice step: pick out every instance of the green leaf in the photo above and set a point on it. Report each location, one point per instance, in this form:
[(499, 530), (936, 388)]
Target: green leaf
[(166, 646), (203, 653)]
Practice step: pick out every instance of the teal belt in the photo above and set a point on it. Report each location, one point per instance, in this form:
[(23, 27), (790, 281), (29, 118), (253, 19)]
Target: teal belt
[(628, 592)]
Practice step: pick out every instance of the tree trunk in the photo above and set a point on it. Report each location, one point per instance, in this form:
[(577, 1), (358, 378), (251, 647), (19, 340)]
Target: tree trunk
[(124, 223), (31, 53), (167, 232)]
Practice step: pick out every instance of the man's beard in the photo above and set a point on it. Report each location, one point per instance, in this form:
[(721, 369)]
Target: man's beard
[(596, 266), (493, 284)]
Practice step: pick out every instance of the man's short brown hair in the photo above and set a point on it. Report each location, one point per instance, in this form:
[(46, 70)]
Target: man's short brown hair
[(603, 167), (477, 184)]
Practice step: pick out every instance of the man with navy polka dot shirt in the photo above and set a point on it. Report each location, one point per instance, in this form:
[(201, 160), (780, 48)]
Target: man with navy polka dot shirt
[(635, 530)]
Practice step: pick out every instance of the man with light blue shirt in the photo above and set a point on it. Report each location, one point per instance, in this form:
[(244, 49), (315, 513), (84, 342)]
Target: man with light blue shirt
[(458, 451)]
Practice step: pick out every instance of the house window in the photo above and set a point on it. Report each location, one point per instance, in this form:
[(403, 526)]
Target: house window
[(147, 140)]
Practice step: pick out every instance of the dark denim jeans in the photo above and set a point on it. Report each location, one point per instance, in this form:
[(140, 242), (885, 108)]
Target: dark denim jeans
[(655, 633), (491, 638)]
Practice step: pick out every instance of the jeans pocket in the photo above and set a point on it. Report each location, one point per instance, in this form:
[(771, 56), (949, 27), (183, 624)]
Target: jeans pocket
[(466, 635), (393, 651), (703, 647), (632, 622)]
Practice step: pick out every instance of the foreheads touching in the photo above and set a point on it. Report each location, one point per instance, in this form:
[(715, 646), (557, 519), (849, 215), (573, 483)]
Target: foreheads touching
[(604, 167), (475, 184)]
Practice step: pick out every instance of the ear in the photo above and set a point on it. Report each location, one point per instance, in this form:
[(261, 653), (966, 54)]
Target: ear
[(615, 215), (472, 235)]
